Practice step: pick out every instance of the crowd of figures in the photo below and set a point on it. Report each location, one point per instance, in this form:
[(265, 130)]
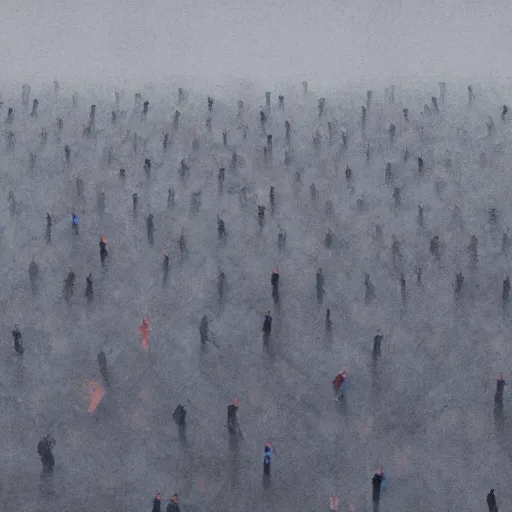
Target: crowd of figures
[(339, 139)]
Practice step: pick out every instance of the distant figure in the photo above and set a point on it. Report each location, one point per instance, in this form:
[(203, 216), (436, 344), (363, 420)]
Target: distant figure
[(157, 503), (233, 427), (421, 209), (135, 201), (473, 250), (150, 228), (44, 449), (147, 166), (369, 293), (179, 416), (491, 501), (403, 289), (102, 361), (421, 164), (79, 187), (337, 385), (274, 280), (320, 286), (18, 342), (506, 289), (74, 223), (313, 191), (500, 386), (377, 340), (220, 179), (261, 215), (418, 276), (267, 325), (504, 111), (33, 273), (329, 237), (170, 198), (165, 264), (459, 279), (328, 323), (69, 284), (88, 287), (203, 329), (434, 248), (376, 484), (183, 244), (122, 175), (173, 504), (48, 228), (267, 460), (272, 199), (103, 250), (221, 228)]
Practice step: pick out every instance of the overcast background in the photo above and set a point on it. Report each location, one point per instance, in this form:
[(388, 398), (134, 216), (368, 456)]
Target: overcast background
[(324, 41)]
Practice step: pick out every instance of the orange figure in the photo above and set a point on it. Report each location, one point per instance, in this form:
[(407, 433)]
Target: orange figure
[(144, 333), (95, 393)]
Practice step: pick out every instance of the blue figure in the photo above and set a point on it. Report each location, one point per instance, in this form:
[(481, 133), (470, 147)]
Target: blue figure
[(74, 222)]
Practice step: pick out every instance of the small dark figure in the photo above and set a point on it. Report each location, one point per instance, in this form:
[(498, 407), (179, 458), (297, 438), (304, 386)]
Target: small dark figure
[(18, 342), (281, 101), (418, 276), (348, 176), (44, 449), (328, 323), (369, 95), (150, 228), (368, 152), (369, 293), (221, 228), (363, 117), (170, 198), (69, 284), (505, 242), (267, 458), (320, 285), (10, 115), (173, 503), (210, 104), (176, 119), (48, 228), (166, 140), (79, 187), (33, 273), (313, 191), (203, 329), (195, 201), (74, 223), (388, 174), (281, 241), (272, 198), (234, 162), (329, 208), (35, 104), (103, 250), (434, 105), (209, 124), (274, 281), (269, 143), (493, 216), (504, 111), (145, 109), (397, 196), (288, 129), (506, 289), (67, 154), (224, 137), (261, 214), (491, 501), (184, 168), (329, 236), (267, 100), (88, 287), (263, 119), (240, 104), (403, 289), (157, 503), (405, 112), (392, 132), (459, 279), (165, 264), (221, 284), (376, 484), (473, 250), (113, 117), (233, 427), (396, 246), (377, 340), (420, 164), (321, 104), (420, 216), (102, 362), (434, 248), (179, 416), (135, 201), (220, 178), (147, 166), (183, 243), (500, 385), (267, 325)]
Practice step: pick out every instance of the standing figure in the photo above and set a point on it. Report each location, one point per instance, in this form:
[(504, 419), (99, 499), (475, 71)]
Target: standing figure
[(18, 342)]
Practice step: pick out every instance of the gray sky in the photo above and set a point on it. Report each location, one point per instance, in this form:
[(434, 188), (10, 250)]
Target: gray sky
[(324, 41)]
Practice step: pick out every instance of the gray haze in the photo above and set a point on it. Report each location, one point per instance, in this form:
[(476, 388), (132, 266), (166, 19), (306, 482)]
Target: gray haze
[(327, 42), (424, 412)]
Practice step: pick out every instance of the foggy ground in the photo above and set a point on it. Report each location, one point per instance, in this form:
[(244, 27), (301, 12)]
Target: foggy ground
[(424, 412)]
